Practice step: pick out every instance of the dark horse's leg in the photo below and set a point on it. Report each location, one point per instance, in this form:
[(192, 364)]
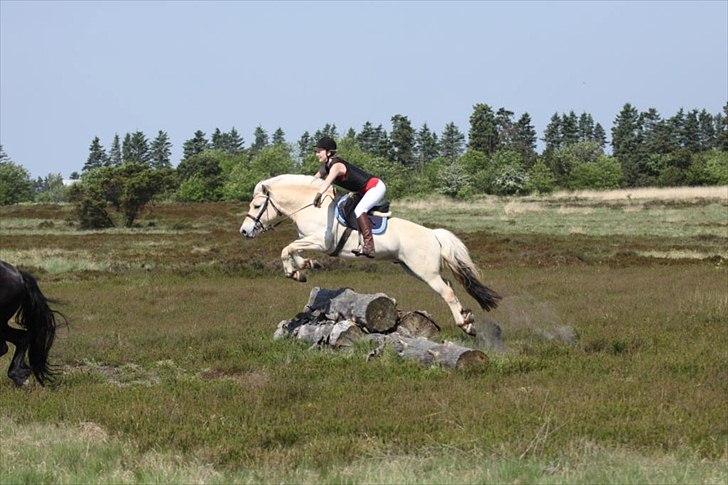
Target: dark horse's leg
[(19, 371)]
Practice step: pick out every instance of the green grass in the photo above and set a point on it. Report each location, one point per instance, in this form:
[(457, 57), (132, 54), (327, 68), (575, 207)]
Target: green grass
[(170, 373)]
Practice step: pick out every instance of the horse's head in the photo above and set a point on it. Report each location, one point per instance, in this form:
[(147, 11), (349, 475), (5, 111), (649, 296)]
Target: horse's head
[(261, 212), (281, 196)]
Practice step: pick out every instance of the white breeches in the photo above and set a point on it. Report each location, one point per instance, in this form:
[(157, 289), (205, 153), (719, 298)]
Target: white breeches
[(372, 197)]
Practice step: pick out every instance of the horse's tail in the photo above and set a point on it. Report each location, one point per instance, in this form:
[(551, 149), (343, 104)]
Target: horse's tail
[(40, 321), (457, 258)]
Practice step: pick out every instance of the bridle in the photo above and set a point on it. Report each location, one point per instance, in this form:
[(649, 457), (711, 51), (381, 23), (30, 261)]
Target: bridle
[(268, 200)]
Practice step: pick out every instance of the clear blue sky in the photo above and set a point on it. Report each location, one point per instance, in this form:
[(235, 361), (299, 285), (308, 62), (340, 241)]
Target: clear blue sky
[(70, 71)]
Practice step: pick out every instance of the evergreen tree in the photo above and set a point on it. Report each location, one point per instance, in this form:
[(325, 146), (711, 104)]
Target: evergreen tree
[(483, 134), (260, 139), (330, 130), (195, 145), (452, 142), (505, 128), (383, 146), (160, 150), (552, 134), (653, 132), (218, 140), (367, 138), (305, 145), (4, 156), (569, 129), (600, 136), (524, 139), (279, 137), (706, 130), (721, 122), (586, 127), (138, 148), (75, 176), (627, 144), (115, 152), (96, 155), (403, 140), (126, 148), (351, 133), (677, 129), (691, 132), (427, 148), (235, 143)]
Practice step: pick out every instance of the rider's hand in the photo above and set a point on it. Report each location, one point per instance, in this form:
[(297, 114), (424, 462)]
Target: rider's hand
[(317, 200)]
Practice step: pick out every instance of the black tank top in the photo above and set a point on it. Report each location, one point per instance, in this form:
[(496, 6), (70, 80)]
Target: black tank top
[(355, 179)]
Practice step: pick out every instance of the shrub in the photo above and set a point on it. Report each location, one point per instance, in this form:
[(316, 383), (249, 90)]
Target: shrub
[(565, 159), (510, 180), (604, 173), (455, 181), (196, 189), (708, 168), (15, 184), (89, 207), (51, 189), (541, 179)]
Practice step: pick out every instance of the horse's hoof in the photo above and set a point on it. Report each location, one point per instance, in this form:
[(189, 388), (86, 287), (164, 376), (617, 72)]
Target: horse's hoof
[(299, 276), (311, 264), (468, 328), (468, 317), (20, 378)]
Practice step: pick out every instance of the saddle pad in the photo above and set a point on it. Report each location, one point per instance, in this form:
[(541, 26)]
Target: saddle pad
[(345, 216)]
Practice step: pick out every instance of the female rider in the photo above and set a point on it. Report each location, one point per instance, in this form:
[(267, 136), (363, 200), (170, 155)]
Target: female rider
[(336, 170)]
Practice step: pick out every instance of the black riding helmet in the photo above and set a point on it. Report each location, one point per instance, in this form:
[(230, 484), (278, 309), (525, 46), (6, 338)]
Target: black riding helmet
[(327, 143)]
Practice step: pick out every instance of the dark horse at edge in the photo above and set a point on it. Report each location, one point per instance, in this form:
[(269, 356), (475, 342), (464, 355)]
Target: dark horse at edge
[(20, 294)]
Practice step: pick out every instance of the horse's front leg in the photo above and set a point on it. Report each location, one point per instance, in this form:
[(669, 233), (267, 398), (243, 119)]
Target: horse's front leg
[(293, 263), (18, 370)]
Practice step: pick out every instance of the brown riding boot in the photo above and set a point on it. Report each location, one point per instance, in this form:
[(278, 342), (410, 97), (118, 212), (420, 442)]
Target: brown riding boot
[(365, 228)]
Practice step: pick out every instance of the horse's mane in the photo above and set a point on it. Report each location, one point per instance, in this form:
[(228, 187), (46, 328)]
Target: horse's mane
[(293, 179)]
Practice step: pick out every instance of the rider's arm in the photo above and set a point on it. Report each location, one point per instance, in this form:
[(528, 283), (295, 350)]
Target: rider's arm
[(337, 170)]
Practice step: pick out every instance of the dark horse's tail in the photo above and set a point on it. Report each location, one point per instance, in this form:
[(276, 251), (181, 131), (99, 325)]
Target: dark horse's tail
[(456, 256), (40, 321)]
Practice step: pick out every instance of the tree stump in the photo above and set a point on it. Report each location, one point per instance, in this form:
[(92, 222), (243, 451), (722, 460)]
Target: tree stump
[(375, 312), (416, 324)]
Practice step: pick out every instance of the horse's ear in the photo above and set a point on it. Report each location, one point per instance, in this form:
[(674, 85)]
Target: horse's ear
[(266, 189)]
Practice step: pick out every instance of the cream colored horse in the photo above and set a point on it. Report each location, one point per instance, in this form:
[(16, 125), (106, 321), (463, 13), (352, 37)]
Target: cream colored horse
[(420, 250)]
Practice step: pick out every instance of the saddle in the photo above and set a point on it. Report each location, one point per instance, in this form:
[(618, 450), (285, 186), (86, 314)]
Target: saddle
[(378, 215)]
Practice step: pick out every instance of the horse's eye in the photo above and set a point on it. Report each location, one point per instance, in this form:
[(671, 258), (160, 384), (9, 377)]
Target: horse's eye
[(256, 206)]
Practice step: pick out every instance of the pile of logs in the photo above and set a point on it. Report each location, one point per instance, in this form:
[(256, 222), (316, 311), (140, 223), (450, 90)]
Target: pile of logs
[(339, 318)]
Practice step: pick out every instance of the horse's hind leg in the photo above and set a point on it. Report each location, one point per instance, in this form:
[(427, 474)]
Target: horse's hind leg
[(429, 272)]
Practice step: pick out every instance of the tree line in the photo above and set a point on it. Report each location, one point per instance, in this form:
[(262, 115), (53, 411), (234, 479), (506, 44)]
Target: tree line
[(497, 155)]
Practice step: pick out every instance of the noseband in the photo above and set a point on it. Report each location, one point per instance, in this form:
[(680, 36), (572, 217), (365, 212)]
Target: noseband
[(263, 209)]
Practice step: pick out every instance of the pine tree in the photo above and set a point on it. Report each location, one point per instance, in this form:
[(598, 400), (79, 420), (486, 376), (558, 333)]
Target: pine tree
[(260, 139), (4, 158), (691, 131), (235, 143), (600, 136), (505, 128), (706, 130), (627, 143), (524, 139), (115, 152), (552, 134), (96, 155), (427, 147), (218, 140), (195, 145), (483, 134), (330, 130), (569, 129), (126, 148), (721, 129), (403, 140), (279, 137), (586, 127), (367, 138), (304, 145), (138, 148), (677, 129), (350, 133), (382, 144), (452, 142), (160, 150)]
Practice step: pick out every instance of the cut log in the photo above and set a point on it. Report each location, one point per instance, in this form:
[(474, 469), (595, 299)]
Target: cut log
[(375, 312), (416, 324), (427, 352), (345, 334), (315, 334)]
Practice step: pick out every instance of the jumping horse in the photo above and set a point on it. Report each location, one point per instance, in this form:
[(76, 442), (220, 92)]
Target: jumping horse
[(420, 250)]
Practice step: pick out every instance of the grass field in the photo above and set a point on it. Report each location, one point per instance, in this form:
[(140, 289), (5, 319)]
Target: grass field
[(169, 371)]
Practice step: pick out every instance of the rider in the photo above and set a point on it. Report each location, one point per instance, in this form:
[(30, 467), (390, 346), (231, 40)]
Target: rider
[(336, 170)]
